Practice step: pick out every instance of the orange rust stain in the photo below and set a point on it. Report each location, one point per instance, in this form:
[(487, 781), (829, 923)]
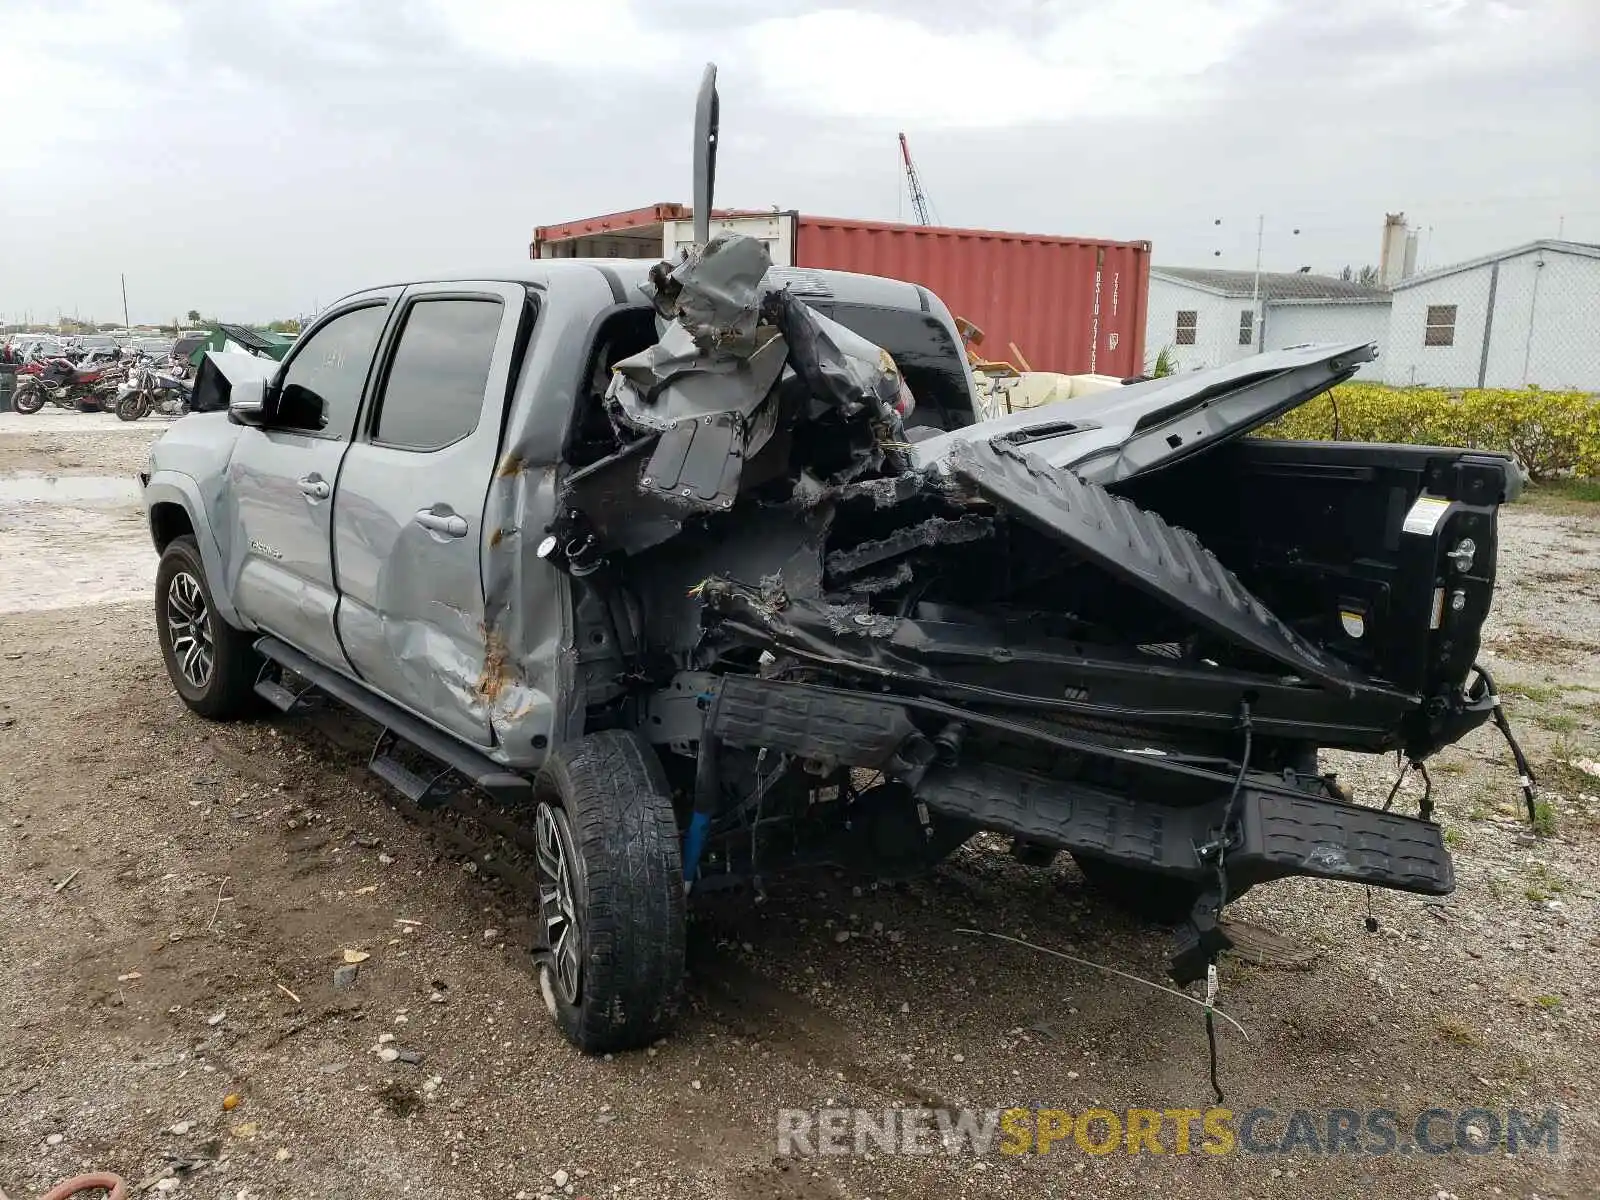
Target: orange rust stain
[(513, 465), (494, 676)]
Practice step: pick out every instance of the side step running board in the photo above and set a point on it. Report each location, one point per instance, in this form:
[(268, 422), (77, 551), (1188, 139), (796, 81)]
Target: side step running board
[(270, 687), (453, 757), (424, 791)]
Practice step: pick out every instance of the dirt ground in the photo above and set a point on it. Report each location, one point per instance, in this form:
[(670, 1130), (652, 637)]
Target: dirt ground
[(176, 896)]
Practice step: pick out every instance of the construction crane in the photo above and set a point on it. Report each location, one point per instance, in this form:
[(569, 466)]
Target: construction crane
[(919, 198)]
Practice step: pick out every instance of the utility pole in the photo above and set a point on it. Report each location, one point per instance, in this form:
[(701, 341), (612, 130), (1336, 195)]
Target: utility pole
[(126, 324), (1255, 285)]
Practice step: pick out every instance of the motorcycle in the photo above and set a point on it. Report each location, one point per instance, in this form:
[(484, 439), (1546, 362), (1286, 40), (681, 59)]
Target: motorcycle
[(147, 391), (61, 383)]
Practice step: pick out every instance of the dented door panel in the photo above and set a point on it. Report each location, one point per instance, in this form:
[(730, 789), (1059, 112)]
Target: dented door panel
[(408, 526)]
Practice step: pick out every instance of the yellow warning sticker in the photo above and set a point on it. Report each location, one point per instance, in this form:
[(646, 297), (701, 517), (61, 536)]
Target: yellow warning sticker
[(1425, 515)]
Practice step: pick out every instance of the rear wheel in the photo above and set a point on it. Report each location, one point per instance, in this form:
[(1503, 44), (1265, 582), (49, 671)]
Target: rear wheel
[(611, 894), (212, 665)]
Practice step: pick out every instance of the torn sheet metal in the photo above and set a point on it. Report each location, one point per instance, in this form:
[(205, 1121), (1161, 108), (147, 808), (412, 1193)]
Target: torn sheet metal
[(676, 380), (714, 293), (708, 387), (844, 372), (702, 383)]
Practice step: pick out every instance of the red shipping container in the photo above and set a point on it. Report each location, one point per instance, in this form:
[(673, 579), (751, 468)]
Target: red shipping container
[(1068, 304)]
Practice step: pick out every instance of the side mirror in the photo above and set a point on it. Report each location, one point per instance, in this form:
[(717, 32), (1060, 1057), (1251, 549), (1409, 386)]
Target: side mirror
[(247, 403)]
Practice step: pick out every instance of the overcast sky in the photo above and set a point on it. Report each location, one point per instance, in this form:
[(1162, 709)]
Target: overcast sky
[(258, 157)]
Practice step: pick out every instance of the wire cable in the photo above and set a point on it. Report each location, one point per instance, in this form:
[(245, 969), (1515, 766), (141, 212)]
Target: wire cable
[(1185, 997)]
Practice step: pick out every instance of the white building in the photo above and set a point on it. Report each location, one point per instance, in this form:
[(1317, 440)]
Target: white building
[(1530, 315), (1208, 317)]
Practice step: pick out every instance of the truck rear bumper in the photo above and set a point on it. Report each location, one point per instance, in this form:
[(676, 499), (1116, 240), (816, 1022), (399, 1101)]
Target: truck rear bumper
[(1279, 834)]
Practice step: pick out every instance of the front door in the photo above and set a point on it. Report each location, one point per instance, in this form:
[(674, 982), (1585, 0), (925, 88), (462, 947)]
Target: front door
[(281, 482), (408, 527)]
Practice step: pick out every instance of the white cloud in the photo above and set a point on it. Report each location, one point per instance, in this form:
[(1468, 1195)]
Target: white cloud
[(1123, 56), (589, 37), (57, 78), (1459, 36), (1128, 56)]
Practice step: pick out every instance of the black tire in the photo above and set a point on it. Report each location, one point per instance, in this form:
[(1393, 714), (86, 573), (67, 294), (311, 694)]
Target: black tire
[(227, 689), (1162, 899), (28, 400), (131, 407), (618, 983)]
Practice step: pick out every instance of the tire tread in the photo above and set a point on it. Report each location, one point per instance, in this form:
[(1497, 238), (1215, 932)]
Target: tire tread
[(619, 808)]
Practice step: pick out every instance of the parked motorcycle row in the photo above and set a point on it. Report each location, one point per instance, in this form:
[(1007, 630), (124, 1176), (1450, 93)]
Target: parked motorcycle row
[(130, 381)]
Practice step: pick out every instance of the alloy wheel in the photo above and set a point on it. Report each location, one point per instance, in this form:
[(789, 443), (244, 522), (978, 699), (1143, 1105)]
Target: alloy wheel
[(560, 976), (189, 626)]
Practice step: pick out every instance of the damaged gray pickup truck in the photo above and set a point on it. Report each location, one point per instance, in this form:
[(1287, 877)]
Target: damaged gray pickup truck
[(680, 577)]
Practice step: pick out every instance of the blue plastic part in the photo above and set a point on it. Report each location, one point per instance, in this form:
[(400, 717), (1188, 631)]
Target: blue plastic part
[(694, 842)]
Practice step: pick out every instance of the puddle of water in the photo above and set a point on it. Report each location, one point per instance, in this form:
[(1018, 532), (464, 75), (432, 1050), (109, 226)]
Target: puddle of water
[(69, 555), (93, 490)]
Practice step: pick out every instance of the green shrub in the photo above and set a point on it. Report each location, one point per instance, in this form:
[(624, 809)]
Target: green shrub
[(1549, 433)]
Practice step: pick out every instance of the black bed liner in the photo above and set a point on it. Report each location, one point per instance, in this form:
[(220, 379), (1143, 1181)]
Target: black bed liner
[(1141, 549)]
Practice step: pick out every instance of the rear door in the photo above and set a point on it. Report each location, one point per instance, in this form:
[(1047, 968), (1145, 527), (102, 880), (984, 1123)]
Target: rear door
[(281, 481), (408, 524)]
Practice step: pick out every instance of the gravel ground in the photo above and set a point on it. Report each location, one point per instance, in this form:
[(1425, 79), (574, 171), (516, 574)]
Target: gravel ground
[(178, 895)]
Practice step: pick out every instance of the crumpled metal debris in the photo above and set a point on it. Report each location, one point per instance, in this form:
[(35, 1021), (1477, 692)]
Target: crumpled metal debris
[(711, 386), (839, 367), (714, 293)]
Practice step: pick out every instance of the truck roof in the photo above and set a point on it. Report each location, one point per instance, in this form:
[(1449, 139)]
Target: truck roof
[(815, 286), (906, 319)]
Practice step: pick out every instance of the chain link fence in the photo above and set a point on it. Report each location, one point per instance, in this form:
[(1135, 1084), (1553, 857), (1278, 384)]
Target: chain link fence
[(1527, 317)]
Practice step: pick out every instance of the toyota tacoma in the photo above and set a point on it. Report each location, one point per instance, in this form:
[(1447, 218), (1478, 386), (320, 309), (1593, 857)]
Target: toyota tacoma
[(681, 575)]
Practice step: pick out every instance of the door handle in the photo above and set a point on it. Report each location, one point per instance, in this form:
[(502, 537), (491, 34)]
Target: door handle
[(314, 487), (450, 525)]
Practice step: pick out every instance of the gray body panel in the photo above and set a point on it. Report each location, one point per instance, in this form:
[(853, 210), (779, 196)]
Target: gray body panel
[(279, 569), (188, 470), (278, 503)]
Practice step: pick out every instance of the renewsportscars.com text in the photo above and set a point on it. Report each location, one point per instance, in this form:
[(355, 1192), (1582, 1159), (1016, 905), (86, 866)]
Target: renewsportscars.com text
[(1132, 1131)]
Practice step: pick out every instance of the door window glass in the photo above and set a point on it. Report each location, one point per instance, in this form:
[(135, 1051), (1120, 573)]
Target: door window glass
[(322, 384), (434, 393)]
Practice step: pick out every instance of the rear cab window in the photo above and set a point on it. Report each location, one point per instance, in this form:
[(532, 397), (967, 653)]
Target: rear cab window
[(434, 392)]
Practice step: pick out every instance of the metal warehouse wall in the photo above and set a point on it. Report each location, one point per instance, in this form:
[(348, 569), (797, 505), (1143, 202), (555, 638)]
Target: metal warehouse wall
[(1069, 304), (1295, 324), (1216, 334), (1409, 360)]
